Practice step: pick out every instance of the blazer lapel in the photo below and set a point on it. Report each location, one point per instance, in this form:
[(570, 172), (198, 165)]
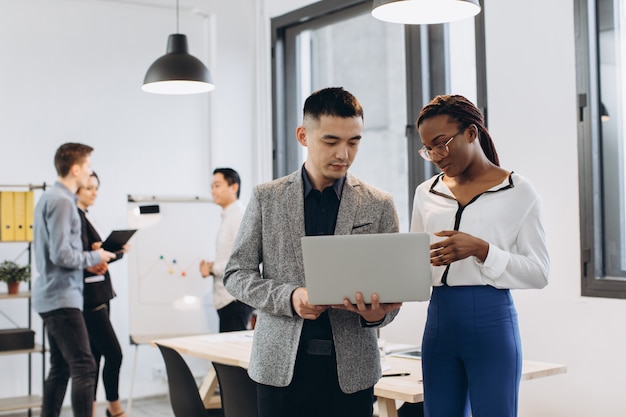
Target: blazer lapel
[(294, 199), (350, 200)]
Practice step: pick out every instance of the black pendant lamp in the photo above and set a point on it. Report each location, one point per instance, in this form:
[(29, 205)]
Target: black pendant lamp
[(177, 72), (423, 12)]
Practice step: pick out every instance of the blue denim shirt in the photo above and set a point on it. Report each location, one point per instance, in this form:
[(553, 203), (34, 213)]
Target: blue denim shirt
[(59, 254)]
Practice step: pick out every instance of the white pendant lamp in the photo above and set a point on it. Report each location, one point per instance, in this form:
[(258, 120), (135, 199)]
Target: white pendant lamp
[(424, 12), (177, 72)]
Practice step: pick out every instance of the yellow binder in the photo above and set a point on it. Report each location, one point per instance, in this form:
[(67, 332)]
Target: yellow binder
[(19, 215), (7, 230), (30, 214)]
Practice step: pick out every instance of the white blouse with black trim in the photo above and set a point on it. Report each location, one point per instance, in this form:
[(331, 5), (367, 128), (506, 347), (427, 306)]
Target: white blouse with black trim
[(507, 216)]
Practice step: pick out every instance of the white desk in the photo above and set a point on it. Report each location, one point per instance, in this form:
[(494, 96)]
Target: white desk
[(234, 349)]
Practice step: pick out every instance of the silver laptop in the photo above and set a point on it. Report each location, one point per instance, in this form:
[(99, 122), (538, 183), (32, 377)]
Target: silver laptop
[(396, 266)]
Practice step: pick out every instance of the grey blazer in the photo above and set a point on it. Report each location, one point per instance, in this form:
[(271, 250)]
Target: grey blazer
[(270, 235)]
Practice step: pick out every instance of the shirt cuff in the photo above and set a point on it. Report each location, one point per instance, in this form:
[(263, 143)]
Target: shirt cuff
[(495, 263), (365, 323)]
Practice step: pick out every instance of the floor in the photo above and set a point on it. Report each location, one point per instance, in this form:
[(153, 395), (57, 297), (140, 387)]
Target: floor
[(145, 407), (160, 407), (141, 407)]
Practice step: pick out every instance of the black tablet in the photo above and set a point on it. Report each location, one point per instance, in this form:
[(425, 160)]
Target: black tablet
[(117, 239)]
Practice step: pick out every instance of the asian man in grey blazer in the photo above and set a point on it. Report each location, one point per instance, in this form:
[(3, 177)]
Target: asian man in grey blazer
[(311, 360)]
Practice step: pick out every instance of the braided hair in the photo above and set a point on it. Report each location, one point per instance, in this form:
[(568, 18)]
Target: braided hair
[(465, 113)]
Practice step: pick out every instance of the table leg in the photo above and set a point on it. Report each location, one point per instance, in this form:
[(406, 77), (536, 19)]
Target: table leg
[(208, 387), (129, 403), (387, 407)]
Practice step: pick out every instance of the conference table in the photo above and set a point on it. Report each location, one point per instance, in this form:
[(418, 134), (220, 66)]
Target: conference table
[(234, 349)]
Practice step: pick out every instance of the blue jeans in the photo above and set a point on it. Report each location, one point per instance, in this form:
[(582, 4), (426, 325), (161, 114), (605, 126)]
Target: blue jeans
[(471, 353), (70, 357)]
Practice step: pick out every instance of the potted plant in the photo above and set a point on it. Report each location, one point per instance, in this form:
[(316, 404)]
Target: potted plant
[(13, 274)]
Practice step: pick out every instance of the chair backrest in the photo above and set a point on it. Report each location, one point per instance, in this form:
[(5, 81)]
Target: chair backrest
[(237, 391), (184, 395)]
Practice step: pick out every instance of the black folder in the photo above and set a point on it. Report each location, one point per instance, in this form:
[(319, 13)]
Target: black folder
[(117, 239)]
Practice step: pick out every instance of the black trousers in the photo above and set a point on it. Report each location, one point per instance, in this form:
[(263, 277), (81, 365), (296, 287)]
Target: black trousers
[(70, 357), (234, 316), (313, 392), (104, 343)]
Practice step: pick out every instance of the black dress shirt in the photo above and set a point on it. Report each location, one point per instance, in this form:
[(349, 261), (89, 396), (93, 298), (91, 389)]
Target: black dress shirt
[(320, 218)]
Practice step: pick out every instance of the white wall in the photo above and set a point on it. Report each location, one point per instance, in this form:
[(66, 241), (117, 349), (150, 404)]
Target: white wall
[(72, 71), (167, 145)]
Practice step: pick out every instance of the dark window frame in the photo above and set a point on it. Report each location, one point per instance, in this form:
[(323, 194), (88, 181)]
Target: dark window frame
[(426, 59), (594, 282)]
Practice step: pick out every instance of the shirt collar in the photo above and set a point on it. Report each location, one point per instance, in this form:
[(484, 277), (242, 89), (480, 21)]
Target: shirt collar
[(231, 207), (308, 186), (439, 188), (65, 190)]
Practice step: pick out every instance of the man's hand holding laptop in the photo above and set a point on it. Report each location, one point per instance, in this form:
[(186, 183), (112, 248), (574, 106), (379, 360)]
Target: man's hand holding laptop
[(370, 312), (300, 304)]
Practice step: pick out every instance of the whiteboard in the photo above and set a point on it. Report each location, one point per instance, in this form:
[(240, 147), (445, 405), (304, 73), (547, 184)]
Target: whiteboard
[(167, 294)]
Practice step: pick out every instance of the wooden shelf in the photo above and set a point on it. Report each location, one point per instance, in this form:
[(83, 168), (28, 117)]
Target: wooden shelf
[(38, 348), (20, 403), (21, 294)]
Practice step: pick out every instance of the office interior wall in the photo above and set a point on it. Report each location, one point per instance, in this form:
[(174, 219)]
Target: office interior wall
[(532, 116), (72, 71)]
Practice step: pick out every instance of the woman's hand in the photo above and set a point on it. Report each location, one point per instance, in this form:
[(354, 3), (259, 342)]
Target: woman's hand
[(99, 269), (457, 246)]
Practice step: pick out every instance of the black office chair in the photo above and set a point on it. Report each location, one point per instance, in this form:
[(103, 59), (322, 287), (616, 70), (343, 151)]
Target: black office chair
[(411, 410), (184, 395), (237, 391)]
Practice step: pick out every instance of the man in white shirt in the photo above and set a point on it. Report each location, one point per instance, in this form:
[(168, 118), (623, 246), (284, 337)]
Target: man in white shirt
[(233, 314)]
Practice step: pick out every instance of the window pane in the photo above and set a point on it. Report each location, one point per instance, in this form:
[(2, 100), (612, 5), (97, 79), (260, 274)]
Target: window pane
[(462, 46), (611, 54), (366, 57)]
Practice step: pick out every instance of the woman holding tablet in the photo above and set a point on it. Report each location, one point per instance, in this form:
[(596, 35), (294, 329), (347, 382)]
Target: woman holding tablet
[(487, 237), (97, 293)]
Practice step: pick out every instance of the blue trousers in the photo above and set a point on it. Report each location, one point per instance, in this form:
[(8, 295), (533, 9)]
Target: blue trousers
[(471, 353)]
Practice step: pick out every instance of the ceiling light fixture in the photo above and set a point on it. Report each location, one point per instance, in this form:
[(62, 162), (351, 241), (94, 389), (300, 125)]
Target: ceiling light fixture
[(424, 12), (177, 72)]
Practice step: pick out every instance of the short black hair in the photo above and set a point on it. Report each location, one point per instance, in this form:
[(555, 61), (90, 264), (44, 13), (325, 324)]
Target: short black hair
[(332, 101), (231, 176)]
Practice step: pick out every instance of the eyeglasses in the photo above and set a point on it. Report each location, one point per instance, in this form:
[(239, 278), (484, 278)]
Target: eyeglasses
[(440, 150)]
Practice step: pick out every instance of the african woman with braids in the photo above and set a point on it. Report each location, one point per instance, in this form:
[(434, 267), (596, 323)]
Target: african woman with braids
[(487, 237)]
